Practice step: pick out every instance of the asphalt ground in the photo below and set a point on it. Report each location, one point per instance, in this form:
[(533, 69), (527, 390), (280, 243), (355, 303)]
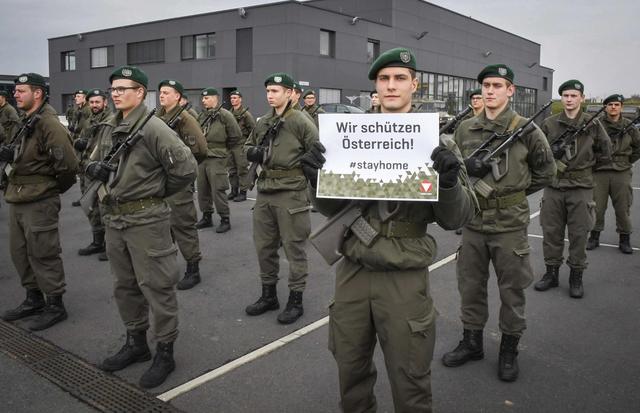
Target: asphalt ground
[(576, 355)]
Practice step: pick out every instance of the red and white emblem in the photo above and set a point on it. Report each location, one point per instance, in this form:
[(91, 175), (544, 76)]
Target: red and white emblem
[(425, 186)]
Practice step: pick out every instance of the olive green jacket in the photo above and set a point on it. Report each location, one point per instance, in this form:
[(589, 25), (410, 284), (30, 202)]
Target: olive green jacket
[(91, 132), (626, 149), (43, 158), (188, 129), (221, 134), (530, 167), (245, 121), (296, 137), (313, 111), (9, 123), (80, 120), (592, 149)]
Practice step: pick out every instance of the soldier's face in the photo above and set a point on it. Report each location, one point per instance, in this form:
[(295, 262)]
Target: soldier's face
[(97, 104), (80, 99), (130, 98), (571, 99), (310, 100), (277, 96), (209, 101), (25, 97), (613, 109), (169, 97), (476, 102), (496, 92), (235, 100), (395, 88)]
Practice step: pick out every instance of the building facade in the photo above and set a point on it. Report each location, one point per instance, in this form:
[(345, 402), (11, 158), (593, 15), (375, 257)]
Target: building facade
[(327, 45)]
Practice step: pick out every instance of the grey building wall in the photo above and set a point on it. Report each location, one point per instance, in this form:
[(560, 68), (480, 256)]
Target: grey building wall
[(286, 38)]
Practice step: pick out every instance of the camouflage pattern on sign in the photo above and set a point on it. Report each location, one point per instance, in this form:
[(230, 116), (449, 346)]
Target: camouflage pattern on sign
[(415, 186)]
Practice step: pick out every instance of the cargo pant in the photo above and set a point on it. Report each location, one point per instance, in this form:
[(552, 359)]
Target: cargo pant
[(571, 208), (282, 218), (183, 224), (213, 183), (396, 308), (238, 167), (143, 262), (616, 184), (34, 242), (509, 252), (95, 217)]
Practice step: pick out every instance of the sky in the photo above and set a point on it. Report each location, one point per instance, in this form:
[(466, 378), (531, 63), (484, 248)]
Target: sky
[(596, 42)]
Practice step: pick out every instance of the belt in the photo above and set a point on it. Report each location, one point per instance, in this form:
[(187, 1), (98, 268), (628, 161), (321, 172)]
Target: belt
[(504, 201), (281, 173), (31, 179), (216, 145), (399, 229), (575, 174), (130, 207)]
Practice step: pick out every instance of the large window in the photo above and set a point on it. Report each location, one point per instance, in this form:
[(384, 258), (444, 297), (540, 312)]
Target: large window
[(151, 51), (101, 57), (68, 61), (327, 43), (328, 95), (201, 46), (373, 50), (244, 50)]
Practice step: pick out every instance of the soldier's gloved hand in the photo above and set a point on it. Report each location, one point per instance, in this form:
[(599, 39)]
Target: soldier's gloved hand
[(80, 144), (255, 154), (312, 161), (447, 165), (475, 167), (557, 150), (99, 170), (6, 153)]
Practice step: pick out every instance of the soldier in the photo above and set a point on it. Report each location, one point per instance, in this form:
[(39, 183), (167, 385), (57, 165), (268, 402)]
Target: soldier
[(137, 219), (220, 128), (281, 213), (42, 166), (310, 105), (372, 281), (498, 233), (84, 146), (568, 201), (375, 102), (476, 103), (9, 120), (183, 208), (615, 179), (188, 107), (237, 159), (78, 124), (296, 93)]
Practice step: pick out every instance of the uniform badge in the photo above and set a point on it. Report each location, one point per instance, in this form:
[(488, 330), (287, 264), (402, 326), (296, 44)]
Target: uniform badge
[(96, 92), (23, 79), (172, 82), (578, 86), (405, 57), (57, 153), (127, 72), (277, 79), (205, 93), (502, 71)]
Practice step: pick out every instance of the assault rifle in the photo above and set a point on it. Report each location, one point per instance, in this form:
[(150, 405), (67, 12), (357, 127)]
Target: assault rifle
[(211, 117), (111, 160), (265, 143), (624, 130), (450, 126), (564, 141), (174, 119)]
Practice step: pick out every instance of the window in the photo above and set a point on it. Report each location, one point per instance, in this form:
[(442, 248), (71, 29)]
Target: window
[(373, 50), (327, 43), (545, 83), (244, 50), (201, 46), (68, 61), (151, 100), (101, 57), (329, 96), (151, 51)]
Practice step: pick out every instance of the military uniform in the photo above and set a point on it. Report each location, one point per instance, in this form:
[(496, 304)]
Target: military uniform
[(9, 123), (237, 158), (44, 166), (313, 111)]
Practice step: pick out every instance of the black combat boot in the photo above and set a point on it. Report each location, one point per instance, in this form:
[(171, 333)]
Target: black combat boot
[(508, 359), (267, 302), (53, 313), (233, 194), (594, 240), (575, 283), (470, 348), (625, 244), (242, 196), (224, 226), (33, 304), (191, 277), (293, 310), (135, 350), (549, 279), (163, 365), (205, 222), (96, 246)]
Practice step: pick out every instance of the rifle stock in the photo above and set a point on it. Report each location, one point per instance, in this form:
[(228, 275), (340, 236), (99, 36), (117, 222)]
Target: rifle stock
[(328, 237)]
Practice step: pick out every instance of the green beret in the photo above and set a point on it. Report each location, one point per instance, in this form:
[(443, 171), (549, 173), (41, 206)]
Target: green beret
[(280, 79), (614, 98), (4, 93), (131, 73), (572, 84), (499, 70), (398, 57), (474, 92), (32, 79), (235, 93), (308, 92), (296, 86), (209, 92), (172, 83), (96, 92)]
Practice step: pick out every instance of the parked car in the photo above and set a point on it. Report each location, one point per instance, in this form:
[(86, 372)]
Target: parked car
[(340, 108)]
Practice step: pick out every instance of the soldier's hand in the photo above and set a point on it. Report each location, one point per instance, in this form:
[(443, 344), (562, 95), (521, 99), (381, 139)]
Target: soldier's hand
[(311, 161), (255, 154), (475, 167), (558, 150), (99, 171), (6, 153), (447, 165), (80, 144)]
